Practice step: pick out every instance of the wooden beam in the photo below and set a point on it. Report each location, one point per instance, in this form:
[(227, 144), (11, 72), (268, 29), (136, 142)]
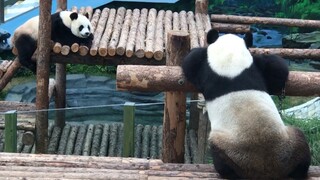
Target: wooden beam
[(60, 87), (43, 166), (289, 53), (73, 58), (8, 75), (174, 119), (42, 100), (231, 28), (165, 78), (201, 6), (265, 20)]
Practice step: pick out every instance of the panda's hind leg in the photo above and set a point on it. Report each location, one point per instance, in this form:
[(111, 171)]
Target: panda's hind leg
[(26, 46), (222, 163)]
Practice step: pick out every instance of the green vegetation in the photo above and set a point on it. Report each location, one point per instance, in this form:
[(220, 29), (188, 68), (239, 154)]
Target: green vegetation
[(290, 101), (97, 70), (311, 129), (301, 9)]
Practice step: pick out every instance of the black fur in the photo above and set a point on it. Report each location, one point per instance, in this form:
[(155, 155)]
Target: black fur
[(196, 69), (267, 73), (26, 46), (62, 34), (274, 70), (221, 163)]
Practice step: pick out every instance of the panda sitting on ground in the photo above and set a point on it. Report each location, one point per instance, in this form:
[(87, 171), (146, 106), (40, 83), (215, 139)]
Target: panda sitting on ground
[(248, 138), (66, 28)]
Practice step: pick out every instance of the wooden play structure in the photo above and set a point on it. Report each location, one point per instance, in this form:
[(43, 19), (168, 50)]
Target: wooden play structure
[(148, 46)]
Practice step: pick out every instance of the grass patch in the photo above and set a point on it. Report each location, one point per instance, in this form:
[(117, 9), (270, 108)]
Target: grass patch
[(290, 101), (311, 129)]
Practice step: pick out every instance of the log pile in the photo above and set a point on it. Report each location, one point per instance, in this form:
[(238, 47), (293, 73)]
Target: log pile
[(140, 36), (42, 166), (126, 32)]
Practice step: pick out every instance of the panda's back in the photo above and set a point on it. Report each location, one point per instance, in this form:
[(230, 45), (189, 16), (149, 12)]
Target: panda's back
[(244, 111), (30, 28)]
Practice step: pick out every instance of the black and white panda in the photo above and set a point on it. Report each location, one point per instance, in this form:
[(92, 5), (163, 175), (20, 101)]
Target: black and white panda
[(66, 28), (248, 138)]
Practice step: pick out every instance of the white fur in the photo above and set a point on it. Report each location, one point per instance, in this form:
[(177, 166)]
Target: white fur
[(84, 21), (242, 112), (228, 56), (30, 27), (75, 24), (65, 16)]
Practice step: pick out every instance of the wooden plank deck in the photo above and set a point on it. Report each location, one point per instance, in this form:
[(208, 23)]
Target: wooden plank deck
[(135, 36), (41, 166)]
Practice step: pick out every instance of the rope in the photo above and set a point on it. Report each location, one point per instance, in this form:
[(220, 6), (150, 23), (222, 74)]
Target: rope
[(90, 107)]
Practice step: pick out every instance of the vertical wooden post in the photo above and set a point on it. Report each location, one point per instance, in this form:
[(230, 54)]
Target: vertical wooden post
[(128, 129), (201, 6), (10, 131), (174, 120), (42, 100), (61, 79)]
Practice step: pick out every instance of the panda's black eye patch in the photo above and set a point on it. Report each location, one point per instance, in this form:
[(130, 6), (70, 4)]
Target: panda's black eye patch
[(89, 28), (81, 27)]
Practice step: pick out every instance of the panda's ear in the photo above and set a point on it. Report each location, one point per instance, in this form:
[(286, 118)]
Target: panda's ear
[(73, 16), (212, 36), (86, 15), (248, 39)]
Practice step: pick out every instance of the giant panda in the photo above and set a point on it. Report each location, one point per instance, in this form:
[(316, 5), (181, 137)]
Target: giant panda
[(248, 138), (66, 28)]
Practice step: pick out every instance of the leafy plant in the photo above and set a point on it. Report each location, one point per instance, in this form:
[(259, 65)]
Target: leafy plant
[(311, 129), (301, 9)]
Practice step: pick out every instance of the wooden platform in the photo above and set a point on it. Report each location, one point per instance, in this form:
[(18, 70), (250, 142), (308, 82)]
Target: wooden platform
[(125, 36), (41, 166)]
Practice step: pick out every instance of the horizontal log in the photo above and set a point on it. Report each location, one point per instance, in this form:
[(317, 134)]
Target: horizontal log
[(73, 58), (165, 78), (231, 28), (289, 53), (265, 20), (44, 166)]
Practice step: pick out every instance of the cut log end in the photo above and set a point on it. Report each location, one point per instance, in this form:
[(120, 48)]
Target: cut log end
[(75, 47), (103, 51), (93, 52), (28, 138), (83, 50), (120, 51), (158, 55), (140, 53), (111, 51), (57, 48), (65, 50), (148, 54), (129, 53)]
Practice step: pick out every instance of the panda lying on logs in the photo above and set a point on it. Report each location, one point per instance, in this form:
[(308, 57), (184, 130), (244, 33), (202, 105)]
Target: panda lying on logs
[(248, 138), (66, 28)]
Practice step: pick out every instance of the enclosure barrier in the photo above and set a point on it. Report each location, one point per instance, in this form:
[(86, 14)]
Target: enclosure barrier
[(173, 134)]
